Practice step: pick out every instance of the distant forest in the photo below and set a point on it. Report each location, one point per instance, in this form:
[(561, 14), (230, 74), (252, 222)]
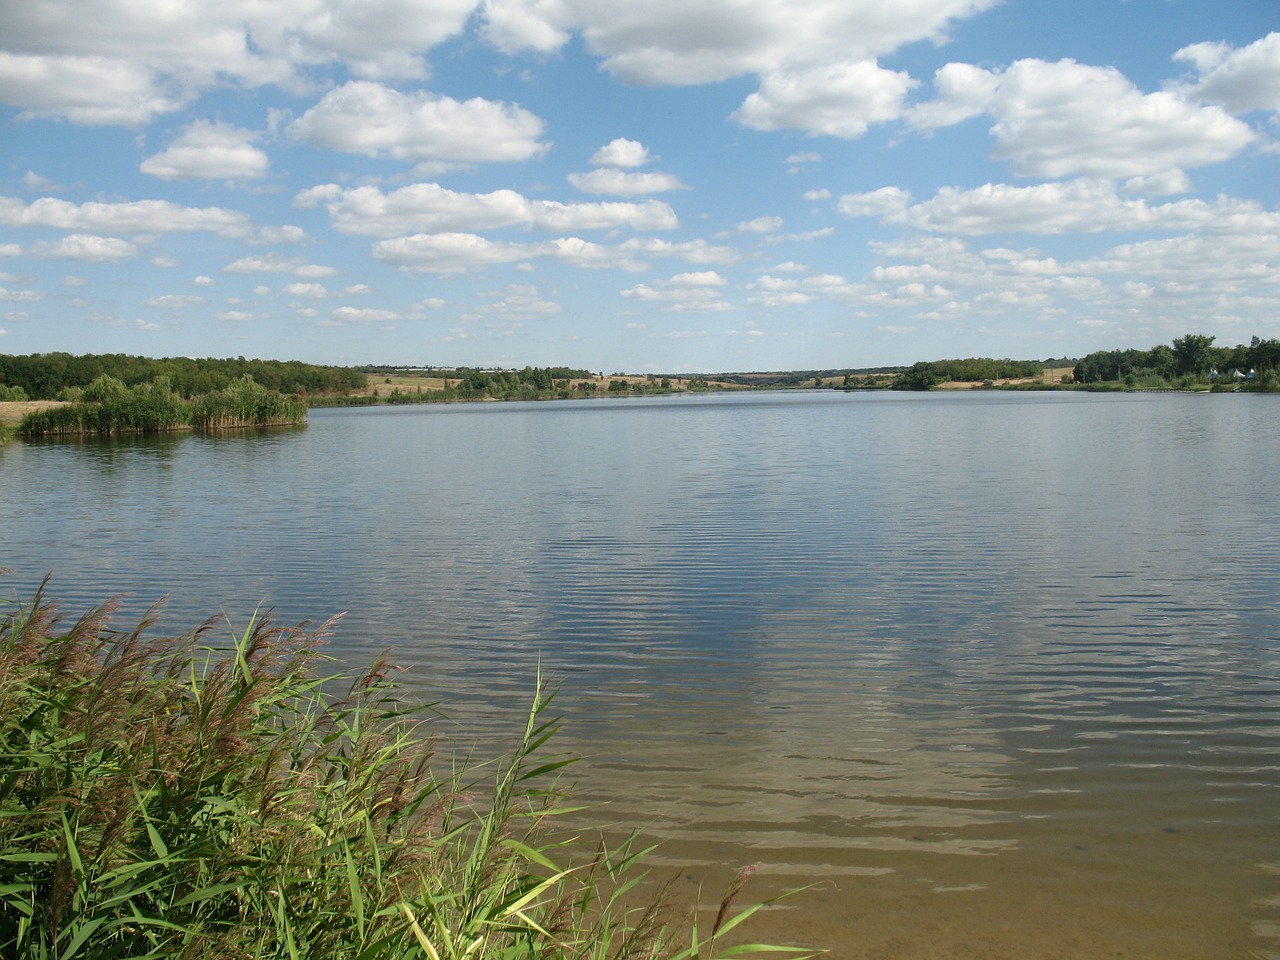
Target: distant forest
[(47, 376)]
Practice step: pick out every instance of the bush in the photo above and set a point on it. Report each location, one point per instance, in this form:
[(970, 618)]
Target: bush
[(163, 798)]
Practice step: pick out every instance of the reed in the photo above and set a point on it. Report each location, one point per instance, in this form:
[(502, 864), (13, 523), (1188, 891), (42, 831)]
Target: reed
[(107, 406), (178, 798), (246, 403)]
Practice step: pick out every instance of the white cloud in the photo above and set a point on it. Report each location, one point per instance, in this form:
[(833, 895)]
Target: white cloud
[(448, 252), (1067, 119), (314, 271), (377, 121), (81, 246), (623, 184), (344, 316), (836, 100), (457, 252), (133, 60), (621, 153), (137, 217), (770, 291), (278, 263), (91, 90), (209, 150), (683, 293), (429, 207), (886, 202), (761, 225), (1075, 206), (20, 296), (175, 301), (314, 291), (701, 41), (1240, 80), (520, 302)]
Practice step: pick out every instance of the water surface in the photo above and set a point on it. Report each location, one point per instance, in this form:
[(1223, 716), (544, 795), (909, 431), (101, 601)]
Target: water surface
[(997, 671)]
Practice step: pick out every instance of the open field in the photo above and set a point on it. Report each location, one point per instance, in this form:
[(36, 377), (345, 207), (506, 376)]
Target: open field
[(1052, 376), (11, 413)]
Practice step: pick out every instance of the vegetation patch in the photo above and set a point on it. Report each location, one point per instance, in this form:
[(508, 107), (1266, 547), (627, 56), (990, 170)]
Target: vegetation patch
[(177, 798), (107, 406)]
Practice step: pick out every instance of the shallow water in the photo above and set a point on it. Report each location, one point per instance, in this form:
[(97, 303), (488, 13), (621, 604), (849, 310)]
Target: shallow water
[(997, 671)]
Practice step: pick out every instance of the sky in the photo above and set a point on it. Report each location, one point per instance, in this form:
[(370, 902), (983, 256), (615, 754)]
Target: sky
[(656, 186)]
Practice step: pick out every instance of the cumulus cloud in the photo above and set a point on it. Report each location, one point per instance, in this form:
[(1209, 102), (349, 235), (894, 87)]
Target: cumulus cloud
[(138, 217), (701, 41), (209, 150), (519, 302), (886, 202), (615, 173), (448, 252), (458, 252), (378, 121), (836, 100), (136, 60), (761, 225), (684, 292), (1076, 206), (314, 291), (91, 90), (87, 247), (1069, 119), (278, 263), (431, 208), (622, 183), (621, 152), (345, 316), (175, 301), (1242, 79)]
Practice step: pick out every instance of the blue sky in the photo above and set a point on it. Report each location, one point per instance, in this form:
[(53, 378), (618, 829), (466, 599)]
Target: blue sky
[(656, 186)]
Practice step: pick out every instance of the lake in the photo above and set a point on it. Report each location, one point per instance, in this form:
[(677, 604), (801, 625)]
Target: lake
[(998, 672)]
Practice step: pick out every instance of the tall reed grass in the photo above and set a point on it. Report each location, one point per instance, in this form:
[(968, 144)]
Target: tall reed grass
[(107, 406), (245, 402), (177, 799)]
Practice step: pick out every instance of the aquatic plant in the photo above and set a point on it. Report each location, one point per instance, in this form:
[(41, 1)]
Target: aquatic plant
[(107, 406), (172, 798), (245, 402)]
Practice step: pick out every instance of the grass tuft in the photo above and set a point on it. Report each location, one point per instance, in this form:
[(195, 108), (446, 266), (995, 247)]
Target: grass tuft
[(185, 799)]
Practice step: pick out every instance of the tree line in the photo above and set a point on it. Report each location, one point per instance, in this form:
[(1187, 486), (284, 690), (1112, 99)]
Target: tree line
[(930, 373), (55, 376), (1191, 359)]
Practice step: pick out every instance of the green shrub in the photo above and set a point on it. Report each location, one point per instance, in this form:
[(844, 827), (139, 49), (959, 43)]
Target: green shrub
[(163, 798)]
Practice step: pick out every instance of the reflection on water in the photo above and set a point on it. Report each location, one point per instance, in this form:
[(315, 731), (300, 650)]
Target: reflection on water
[(998, 670)]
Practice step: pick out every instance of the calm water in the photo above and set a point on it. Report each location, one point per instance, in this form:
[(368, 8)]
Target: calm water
[(999, 672)]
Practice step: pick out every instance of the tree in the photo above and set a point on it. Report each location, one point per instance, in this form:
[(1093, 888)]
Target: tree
[(1193, 353)]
